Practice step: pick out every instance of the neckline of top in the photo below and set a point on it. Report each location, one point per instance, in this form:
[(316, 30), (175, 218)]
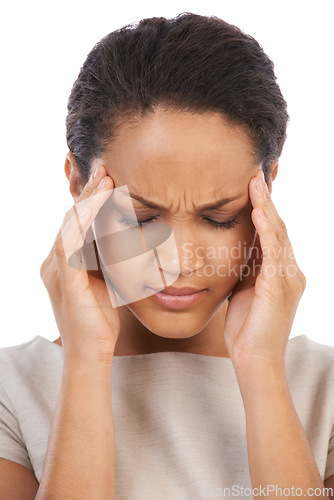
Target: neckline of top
[(128, 356)]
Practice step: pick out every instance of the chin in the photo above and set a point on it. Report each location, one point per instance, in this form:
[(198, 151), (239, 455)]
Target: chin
[(179, 334), (171, 325)]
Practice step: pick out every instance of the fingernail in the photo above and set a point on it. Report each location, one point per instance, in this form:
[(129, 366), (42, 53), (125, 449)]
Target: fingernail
[(259, 186), (96, 173), (102, 183), (262, 176)]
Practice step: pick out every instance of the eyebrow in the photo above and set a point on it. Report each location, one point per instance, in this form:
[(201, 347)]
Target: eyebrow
[(209, 206)]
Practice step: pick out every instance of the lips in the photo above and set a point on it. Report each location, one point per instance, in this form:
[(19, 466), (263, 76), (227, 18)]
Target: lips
[(172, 290), (178, 298)]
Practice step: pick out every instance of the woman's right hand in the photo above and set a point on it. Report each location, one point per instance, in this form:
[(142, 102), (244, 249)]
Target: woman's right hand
[(88, 329)]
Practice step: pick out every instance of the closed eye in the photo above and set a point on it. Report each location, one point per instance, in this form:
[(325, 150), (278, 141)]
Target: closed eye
[(217, 225)]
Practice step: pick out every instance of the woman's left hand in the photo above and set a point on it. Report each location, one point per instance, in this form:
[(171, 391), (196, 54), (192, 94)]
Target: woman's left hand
[(263, 304)]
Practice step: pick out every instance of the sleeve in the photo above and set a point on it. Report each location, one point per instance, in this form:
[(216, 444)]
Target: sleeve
[(12, 445), (329, 471)]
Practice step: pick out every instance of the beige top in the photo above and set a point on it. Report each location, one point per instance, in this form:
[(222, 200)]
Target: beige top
[(179, 417)]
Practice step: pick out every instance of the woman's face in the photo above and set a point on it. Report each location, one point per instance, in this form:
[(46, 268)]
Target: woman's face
[(182, 162)]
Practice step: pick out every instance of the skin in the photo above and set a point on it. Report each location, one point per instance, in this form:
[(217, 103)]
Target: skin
[(186, 160), (183, 161)]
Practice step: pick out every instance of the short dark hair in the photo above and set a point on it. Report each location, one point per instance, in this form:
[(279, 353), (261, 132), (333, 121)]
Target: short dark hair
[(189, 63)]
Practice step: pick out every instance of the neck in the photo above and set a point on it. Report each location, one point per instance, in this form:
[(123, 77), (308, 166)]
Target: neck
[(135, 338)]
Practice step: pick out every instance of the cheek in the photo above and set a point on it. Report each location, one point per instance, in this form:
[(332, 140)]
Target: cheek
[(227, 254)]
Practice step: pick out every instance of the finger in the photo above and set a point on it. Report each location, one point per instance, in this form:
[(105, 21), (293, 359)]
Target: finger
[(262, 197), (288, 257), (87, 191), (284, 253), (72, 234), (271, 248), (254, 263)]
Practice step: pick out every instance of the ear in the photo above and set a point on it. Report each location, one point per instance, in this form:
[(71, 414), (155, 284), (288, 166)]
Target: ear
[(73, 174), (272, 173)]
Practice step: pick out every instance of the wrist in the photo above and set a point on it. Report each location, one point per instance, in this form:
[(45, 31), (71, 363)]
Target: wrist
[(260, 379), (255, 365), (87, 357), (93, 366)]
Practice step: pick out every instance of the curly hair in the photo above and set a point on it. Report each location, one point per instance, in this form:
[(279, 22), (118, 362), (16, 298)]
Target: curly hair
[(188, 63)]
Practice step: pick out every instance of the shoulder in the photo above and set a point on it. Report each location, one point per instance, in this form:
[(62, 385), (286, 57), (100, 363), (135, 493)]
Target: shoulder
[(25, 364), (308, 358), (17, 356), (11, 358)]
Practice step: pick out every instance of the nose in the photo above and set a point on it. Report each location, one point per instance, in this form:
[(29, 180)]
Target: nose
[(190, 253)]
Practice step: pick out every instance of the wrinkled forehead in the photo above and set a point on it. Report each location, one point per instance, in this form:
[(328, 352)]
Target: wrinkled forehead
[(180, 152)]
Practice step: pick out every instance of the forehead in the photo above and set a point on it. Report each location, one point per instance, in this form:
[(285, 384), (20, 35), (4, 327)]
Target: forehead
[(180, 136), (179, 149)]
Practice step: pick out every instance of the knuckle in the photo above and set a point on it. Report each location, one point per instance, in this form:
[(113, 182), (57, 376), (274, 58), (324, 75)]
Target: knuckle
[(46, 277), (303, 281), (45, 272), (282, 225), (42, 271), (45, 266), (280, 235), (297, 286), (58, 246)]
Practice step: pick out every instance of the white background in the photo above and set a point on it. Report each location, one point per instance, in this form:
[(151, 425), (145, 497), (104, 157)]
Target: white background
[(43, 46)]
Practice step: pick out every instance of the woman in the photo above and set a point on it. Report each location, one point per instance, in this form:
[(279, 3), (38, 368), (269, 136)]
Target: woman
[(209, 397)]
